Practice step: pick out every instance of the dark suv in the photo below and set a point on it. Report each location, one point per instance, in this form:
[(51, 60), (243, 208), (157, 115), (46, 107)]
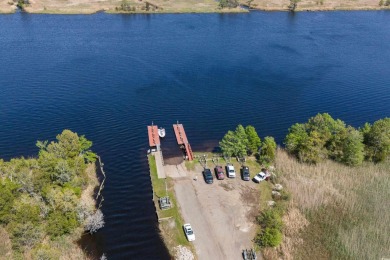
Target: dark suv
[(208, 177), (245, 173)]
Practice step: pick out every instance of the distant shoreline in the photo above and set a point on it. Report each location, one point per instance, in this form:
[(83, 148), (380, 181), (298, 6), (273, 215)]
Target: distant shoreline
[(11, 9)]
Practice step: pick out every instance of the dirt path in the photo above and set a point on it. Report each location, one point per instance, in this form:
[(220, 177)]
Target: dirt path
[(206, 243), (221, 214)]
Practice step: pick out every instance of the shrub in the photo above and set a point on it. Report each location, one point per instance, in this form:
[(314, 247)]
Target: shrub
[(270, 218), (7, 197), (269, 237), (271, 224), (95, 222), (44, 252), (61, 223), (25, 235), (23, 205), (228, 3), (268, 150)]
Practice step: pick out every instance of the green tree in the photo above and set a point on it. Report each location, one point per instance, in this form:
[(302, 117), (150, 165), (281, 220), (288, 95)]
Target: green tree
[(377, 140), (353, 148), (293, 5), (254, 141), (67, 145), (320, 137), (61, 199), (8, 193), (85, 149), (63, 172), (228, 3), (25, 235), (235, 143), (241, 147), (296, 139), (60, 223), (268, 150), (24, 204), (227, 143), (324, 125)]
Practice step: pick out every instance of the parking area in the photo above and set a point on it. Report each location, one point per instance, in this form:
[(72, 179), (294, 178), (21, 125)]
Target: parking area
[(222, 214)]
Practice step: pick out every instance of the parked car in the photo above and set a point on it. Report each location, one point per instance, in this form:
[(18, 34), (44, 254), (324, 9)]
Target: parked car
[(219, 173), (245, 175), (208, 177), (261, 176), (230, 172), (189, 232)]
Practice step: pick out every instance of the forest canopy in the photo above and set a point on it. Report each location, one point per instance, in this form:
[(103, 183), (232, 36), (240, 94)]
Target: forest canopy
[(41, 197), (323, 137)]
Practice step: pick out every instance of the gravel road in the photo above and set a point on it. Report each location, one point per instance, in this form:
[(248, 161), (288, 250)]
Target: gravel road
[(221, 214)]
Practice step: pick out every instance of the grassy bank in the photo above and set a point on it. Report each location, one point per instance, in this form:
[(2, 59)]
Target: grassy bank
[(170, 220), (184, 6), (336, 212)]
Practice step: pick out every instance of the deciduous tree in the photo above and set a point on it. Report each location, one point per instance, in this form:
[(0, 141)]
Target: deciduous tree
[(268, 150), (377, 140)]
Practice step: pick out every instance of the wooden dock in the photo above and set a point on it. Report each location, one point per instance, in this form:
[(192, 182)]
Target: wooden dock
[(155, 146), (154, 138), (182, 140)]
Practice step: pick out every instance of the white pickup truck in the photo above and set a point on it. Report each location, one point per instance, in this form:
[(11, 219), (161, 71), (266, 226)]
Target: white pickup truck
[(261, 176)]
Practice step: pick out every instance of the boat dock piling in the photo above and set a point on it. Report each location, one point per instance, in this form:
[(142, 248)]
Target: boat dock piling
[(182, 140)]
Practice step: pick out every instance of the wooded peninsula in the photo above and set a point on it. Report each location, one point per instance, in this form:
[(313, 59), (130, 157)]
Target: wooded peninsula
[(46, 202)]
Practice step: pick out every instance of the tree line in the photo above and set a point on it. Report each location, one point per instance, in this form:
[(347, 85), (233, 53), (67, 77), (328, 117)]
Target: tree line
[(323, 137), (246, 141), (40, 198)]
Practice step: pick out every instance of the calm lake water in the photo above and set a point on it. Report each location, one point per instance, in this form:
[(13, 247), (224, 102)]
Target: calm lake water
[(108, 76)]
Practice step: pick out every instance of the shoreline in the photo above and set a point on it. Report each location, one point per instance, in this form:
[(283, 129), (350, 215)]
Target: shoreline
[(12, 9)]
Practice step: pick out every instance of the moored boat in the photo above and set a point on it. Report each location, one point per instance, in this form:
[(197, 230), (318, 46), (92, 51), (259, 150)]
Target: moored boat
[(161, 132)]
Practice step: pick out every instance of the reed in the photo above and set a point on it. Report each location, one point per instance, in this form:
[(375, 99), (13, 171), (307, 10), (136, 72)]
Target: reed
[(345, 210)]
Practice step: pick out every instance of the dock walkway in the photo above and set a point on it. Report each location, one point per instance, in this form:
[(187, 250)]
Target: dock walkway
[(160, 165)]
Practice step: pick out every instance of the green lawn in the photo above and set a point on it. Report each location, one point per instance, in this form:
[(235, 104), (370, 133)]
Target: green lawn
[(173, 236)]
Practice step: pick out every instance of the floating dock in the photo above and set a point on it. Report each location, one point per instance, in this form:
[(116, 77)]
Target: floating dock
[(155, 146), (154, 139), (182, 141)]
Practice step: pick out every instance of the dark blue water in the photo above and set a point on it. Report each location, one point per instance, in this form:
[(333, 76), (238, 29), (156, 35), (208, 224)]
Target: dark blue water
[(108, 76)]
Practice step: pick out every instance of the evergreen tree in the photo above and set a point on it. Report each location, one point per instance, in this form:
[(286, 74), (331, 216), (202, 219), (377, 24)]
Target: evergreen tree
[(254, 140)]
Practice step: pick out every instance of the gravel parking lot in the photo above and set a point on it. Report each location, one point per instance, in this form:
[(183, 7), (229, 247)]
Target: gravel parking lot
[(222, 214)]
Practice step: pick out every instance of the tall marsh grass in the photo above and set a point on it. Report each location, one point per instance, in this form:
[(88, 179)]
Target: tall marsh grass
[(347, 209)]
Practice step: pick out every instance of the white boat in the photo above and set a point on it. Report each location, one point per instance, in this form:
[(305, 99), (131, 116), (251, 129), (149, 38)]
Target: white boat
[(161, 132)]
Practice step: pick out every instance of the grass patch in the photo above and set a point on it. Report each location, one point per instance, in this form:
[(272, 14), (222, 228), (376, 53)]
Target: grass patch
[(190, 165), (158, 184), (171, 220), (265, 194)]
